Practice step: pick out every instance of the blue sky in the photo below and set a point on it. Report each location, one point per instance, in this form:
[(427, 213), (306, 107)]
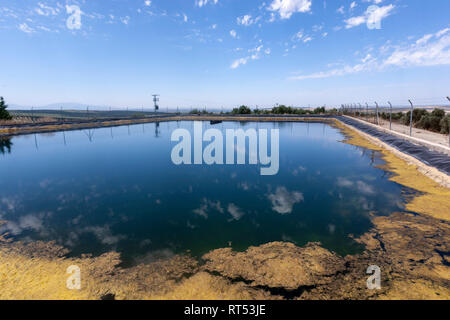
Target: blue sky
[(218, 53)]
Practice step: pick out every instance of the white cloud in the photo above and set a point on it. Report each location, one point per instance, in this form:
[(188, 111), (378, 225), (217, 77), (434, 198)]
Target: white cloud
[(355, 21), (344, 182), (233, 33), (283, 201), (235, 212), (365, 188), (125, 20), (25, 28), (255, 54), (201, 3), (241, 61), (424, 52), (147, 3), (300, 36), (206, 206), (429, 50), (247, 20), (365, 66), (286, 8), (371, 16), (44, 10), (103, 234), (359, 185)]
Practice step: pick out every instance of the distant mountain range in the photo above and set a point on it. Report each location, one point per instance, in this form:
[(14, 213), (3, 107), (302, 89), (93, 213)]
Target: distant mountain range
[(64, 106)]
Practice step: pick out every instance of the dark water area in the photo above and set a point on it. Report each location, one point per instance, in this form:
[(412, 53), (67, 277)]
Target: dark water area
[(117, 188)]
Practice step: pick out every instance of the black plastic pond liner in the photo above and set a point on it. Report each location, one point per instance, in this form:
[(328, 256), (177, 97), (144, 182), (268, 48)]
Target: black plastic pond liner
[(432, 158)]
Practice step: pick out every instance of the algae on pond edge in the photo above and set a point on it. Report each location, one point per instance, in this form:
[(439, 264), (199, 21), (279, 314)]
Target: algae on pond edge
[(433, 199)]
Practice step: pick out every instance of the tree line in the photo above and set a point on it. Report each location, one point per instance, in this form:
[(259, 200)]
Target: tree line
[(282, 109)]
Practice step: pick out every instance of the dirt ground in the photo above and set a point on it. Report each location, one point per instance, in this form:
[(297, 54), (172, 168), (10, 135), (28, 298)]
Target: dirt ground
[(434, 137)]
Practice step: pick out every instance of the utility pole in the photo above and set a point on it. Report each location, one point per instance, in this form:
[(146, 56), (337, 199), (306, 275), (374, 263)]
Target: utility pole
[(411, 118), (378, 120), (155, 101), (390, 116)]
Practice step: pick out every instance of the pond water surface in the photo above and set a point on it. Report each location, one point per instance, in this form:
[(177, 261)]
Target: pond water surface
[(106, 189)]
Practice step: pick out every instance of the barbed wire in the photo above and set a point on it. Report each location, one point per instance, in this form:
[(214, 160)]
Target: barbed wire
[(422, 102)]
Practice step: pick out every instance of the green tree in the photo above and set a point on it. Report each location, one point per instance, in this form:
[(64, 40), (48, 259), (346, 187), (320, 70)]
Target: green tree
[(242, 110), (445, 124), (4, 114), (429, 122), (440, 113), (417, 115), (320, 110), (5, 145)]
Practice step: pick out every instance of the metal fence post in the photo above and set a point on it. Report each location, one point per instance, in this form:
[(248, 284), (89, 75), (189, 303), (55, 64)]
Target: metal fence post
[(367, 112), (411, 118), (448, 98), (390, 115), (378, 120)]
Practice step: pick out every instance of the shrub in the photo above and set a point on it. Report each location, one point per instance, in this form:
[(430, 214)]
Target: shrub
[(282, 109), (417, 115), (320, 110), (397, 115), (430, 122), (445, 124), (438, 113), (4, 114), (242, 110)]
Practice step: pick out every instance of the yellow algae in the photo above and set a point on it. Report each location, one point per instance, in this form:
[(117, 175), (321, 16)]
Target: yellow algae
[(28, 278), (204, 286), (416, 289), (432, 199), (40, 273)]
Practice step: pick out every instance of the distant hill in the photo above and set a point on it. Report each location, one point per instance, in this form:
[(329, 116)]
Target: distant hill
[(64, 105)]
